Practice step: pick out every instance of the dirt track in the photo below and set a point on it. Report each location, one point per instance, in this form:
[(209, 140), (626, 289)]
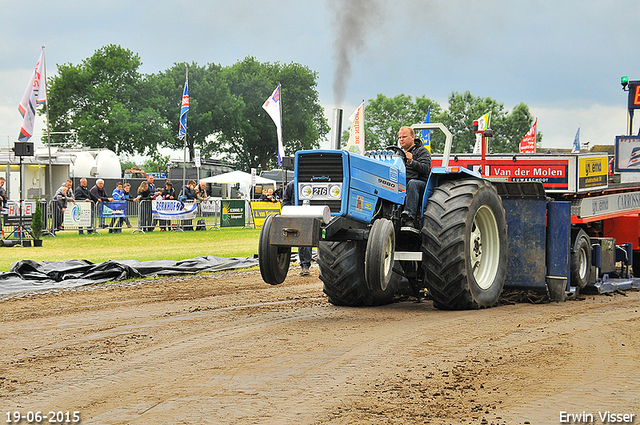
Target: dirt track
[(229, 349)]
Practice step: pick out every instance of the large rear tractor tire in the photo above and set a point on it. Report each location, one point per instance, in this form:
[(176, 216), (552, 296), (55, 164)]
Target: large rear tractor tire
[(580, 258), (464, 245), (378, 263), (342, 272), (273, 260)]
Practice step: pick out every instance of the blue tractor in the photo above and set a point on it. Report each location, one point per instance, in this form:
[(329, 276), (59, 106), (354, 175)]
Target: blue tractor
[(349, 206)]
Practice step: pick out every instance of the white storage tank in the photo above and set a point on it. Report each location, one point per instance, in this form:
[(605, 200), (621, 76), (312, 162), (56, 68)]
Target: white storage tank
[(83, 164), (108, 165)]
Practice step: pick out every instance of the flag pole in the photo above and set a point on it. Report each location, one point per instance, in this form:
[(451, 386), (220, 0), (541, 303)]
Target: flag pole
[(184, 162), (284, 171), (50, 185)]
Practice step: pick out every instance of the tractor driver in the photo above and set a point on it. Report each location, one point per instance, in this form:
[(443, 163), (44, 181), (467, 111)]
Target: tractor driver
[(418, 169)]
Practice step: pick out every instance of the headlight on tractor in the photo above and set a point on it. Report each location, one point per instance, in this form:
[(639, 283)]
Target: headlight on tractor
[(335, 191), (306, 192)]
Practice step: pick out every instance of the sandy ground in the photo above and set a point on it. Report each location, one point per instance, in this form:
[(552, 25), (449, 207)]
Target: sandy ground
[(229, 349)]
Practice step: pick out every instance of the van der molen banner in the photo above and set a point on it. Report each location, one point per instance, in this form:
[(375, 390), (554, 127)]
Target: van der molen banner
[(173, 210)]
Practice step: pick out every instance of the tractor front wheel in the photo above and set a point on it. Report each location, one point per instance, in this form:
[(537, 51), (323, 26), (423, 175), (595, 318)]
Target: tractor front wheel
[(342, 272), (273, 260), (378, 262)]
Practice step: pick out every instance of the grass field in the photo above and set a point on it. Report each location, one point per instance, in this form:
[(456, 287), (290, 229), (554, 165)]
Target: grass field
[(66, 245)]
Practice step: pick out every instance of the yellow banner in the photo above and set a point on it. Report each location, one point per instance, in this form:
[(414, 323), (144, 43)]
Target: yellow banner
[(261, 210), (592, 172)]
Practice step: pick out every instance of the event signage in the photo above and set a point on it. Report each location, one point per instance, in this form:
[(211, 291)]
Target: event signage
[(13, 209), (592, 172), (78, 214), (211, 206), (552, 173), (609, 204), (12, 218), (634, 95), (627, 153), (173, 210), (262, 210), (113, 209), (233, 213)]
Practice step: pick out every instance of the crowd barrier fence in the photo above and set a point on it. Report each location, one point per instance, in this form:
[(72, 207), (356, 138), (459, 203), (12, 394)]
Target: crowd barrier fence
[(113, 217)]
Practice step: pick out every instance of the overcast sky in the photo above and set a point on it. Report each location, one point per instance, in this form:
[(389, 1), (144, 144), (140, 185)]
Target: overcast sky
[(564, 59)]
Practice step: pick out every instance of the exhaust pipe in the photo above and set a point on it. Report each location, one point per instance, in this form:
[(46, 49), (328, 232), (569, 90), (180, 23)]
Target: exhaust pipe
[(336, 135)]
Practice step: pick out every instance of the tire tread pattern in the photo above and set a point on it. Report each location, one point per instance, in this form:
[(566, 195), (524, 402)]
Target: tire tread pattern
[(444, 240)]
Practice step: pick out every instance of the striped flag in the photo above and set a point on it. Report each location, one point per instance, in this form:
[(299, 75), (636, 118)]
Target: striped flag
[(484, 122), (36, 94), (272, 106), (528, 142), (183, 111)]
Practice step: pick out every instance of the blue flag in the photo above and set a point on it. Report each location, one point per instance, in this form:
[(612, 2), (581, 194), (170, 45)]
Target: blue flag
[(183, 111), (576, 142), (426, 134)]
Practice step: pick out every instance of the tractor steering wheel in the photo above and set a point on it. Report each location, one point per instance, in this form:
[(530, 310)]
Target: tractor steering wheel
[(399, 151)]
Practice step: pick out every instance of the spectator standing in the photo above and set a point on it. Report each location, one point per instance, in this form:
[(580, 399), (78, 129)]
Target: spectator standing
[(117, 195), (144, 196), (99, 192), (126, 189), (3, 194), (271, 195), (189, 192), (188, 195), (154, 193), (201, 192), (83, 194), (69, 185), (61, 200), (304, 252), (169, 194)]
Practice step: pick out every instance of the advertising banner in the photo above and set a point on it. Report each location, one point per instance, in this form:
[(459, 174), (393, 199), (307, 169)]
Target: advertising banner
[(173, 210), (113, 209), (78, 214), (262, 210), (628, 153), (12, 218), (211, 206), (552, 173), (592, 172), (233, 213)]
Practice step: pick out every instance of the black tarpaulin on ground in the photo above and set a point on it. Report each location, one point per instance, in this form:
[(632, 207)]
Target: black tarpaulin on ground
[(28, 275)]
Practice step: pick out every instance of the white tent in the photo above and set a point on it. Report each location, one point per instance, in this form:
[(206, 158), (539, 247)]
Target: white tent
[(234, 177)]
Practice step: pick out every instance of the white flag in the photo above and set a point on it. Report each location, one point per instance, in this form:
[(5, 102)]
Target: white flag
[(272, 106), (356, 135), (35, 95), (576, 142), (484, 122)]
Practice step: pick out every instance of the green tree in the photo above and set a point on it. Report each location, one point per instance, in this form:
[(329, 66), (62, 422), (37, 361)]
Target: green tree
[(156, 164), (384, 116), (212, 109), (253, 141), (512, 129), (104, 102), (509, 127), (463, 110)]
